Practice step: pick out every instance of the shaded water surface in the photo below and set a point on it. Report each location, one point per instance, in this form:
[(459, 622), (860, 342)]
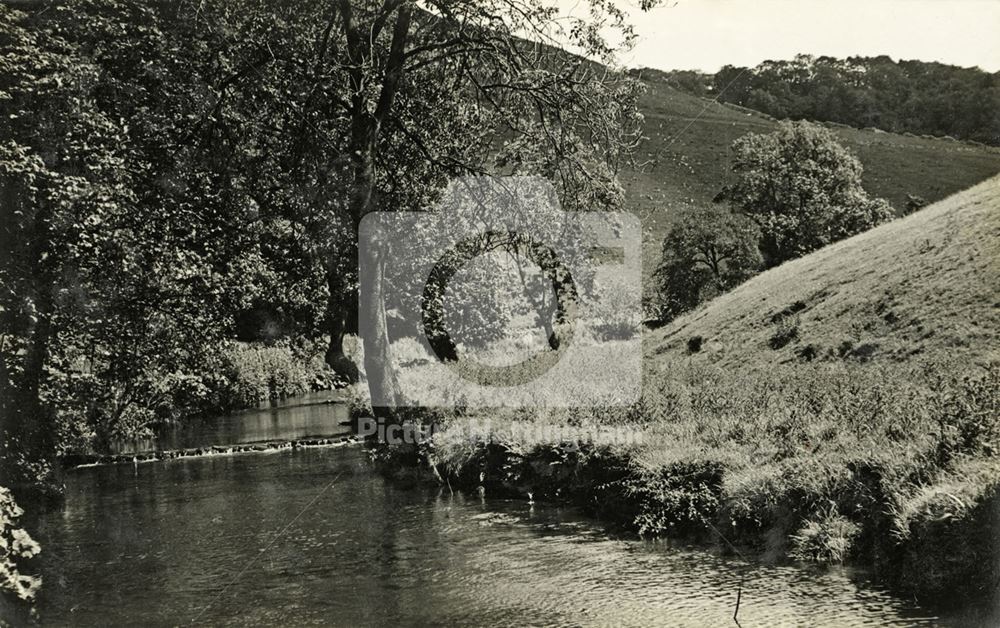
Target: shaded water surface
[(313, 537), (312, 415)]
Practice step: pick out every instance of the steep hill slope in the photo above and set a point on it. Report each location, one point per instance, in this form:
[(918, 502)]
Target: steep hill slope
[(926, 285), (685, 159)]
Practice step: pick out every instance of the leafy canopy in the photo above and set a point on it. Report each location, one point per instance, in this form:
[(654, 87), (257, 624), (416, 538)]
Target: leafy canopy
[(707, 252), (802, 189)]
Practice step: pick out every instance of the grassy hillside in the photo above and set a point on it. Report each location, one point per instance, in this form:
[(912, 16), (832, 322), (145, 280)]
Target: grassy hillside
[(926, 285), (793, 427), (807, 424), (684, 160)]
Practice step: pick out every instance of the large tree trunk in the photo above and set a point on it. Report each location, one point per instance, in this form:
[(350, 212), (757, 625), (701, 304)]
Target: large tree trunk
[(381, 376), (338, 313), (365, 129), (382, 382)]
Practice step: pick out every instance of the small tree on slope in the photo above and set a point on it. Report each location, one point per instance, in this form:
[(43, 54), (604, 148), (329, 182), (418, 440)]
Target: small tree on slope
[(707, 252), (802, 188)]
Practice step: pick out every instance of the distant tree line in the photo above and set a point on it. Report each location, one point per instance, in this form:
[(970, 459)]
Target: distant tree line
[(924, 98)]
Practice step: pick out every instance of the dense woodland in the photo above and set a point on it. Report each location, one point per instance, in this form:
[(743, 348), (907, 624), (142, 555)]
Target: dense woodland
[(903, 96)]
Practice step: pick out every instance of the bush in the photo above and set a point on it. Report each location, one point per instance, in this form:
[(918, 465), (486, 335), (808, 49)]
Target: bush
[(788, 330), (694, 344), (16, 545), (808, 353), (616, 317), (257, 372), (678, 499), (826, 539)]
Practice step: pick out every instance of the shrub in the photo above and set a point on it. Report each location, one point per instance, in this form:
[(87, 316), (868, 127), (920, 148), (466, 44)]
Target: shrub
[(808, 353), (679, 498), (787, 331), (16, 545), (826, 539), (694, 344), (257, 372), (788, 312)]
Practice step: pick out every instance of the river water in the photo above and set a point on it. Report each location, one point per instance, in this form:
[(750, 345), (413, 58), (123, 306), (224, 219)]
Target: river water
[(312, 415), (313, 537)]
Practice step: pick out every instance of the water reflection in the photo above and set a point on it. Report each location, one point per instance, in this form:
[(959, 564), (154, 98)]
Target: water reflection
[(313, 415), (312, 537)]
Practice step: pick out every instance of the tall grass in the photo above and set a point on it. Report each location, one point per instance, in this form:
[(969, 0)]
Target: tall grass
[(824, 462)]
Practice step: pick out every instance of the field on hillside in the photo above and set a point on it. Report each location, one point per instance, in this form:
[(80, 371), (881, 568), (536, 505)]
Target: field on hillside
[(684, 160), (921, 287)]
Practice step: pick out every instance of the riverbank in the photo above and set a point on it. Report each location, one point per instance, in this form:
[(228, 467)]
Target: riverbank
[(870, 467), (944, 553), (428, 556)]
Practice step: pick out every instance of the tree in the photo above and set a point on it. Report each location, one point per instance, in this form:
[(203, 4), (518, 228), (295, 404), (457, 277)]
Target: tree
[(445, 89), (707, 252), (168, 169), (58, 180), (733, 84), (905, 96), (802, 189), (130, 234)]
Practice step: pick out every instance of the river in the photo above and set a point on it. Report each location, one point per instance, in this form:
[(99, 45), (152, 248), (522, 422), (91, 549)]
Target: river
[(313, 537)]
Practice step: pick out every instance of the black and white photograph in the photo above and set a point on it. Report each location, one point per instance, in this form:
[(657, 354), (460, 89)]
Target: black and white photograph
[(500, 313)]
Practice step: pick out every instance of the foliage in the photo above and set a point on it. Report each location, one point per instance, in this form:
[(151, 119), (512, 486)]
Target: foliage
[(802, 188), (818, 462), (16, 546), (786, 331), (826, 539), (707, 252), (142, 223), (678, 499), (615, 315), (258, 372), (902, 96), (967, 418), (59, 178)]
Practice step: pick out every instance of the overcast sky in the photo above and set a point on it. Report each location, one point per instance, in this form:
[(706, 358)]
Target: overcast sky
[(706, 34)]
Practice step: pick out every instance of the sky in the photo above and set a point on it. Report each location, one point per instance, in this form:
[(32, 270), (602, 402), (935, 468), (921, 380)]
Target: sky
[(706, 34)]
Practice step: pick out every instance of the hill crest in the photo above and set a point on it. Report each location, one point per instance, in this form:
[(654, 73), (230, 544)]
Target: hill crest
[(684, 160), (926, 286)]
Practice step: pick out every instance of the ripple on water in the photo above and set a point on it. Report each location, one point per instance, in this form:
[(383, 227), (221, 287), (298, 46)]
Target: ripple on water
[(245, 540)]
